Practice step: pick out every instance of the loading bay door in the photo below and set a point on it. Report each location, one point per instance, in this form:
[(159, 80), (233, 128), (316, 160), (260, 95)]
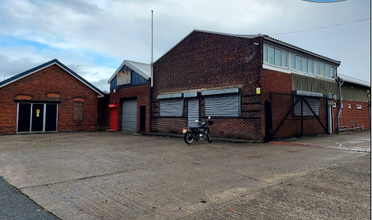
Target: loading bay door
[(192, 112), (129, 115), (37, 117)]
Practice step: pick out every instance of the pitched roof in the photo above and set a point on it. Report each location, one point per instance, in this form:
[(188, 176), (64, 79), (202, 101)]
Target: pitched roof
[(45, 65), (143, 69), (353, 80), (266, 37)]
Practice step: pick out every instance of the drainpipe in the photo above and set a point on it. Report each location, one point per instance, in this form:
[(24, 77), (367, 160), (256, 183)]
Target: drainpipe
[(340, 82)]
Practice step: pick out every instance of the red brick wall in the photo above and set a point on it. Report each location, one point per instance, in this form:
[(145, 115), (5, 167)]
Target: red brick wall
[(351, 118), (276, 82), (210, 61), (142, 93), (52, 79)]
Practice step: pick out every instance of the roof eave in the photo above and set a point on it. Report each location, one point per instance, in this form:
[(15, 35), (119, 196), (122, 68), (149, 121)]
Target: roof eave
[(352, 80), (131, 66), (113, 75), (139, 71)]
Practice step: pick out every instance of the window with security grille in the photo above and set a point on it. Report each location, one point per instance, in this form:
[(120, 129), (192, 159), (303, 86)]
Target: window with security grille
[(171, 107), (314, 103), (222, 105)]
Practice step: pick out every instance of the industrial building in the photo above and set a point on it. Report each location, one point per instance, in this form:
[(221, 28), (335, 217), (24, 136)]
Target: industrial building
[(254, 86), (129, 101), (48, 98)]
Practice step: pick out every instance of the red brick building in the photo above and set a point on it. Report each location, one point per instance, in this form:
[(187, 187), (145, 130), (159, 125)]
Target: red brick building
[(253, 86), (48, 98), (356, 104), (129, 101)]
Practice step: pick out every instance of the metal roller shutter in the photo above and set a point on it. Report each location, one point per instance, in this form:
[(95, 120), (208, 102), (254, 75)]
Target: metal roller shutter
[(129, 115), (314, 104), (171, 107), (222, 105), (192, 112)]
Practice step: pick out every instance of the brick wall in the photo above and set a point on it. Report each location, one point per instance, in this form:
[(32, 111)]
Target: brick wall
[(142, 93), (351, 118), (51, 80), (211, 61), (276, 82)]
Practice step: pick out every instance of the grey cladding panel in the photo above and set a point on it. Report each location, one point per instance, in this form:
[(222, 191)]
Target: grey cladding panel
[(314, 104), (192, 111), (171, 107), (222, 105), (129, 115)]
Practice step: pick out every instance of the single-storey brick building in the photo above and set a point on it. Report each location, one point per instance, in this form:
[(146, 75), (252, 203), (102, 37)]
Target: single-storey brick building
[(48, 98), (254, 86), (129, 102), (356, 104)]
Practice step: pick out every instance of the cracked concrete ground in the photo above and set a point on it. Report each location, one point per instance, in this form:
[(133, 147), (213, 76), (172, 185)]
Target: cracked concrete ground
[(104, 175)]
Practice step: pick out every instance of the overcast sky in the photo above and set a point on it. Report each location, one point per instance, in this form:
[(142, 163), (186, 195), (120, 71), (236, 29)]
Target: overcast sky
[(93, 37)]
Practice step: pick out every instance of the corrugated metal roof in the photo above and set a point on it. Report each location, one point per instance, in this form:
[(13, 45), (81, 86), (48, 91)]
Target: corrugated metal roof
[(143, 69), (45, 65), (353, 80)]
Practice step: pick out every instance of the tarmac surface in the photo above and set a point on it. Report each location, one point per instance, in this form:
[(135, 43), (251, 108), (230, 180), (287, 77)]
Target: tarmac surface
[(104, 175), (16, 206)]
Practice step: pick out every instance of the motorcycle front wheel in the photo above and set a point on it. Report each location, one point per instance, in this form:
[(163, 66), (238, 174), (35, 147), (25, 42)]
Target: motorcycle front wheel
[(189, 138)]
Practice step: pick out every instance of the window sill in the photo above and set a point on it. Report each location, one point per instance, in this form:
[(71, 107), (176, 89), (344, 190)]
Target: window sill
[(292, 71)]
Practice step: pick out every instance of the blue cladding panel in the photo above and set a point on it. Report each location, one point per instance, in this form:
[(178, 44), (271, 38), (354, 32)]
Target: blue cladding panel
[(136, 80), (113, 84)]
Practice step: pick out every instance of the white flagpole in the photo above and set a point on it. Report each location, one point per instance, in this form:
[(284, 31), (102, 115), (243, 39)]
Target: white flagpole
[(152, 48)]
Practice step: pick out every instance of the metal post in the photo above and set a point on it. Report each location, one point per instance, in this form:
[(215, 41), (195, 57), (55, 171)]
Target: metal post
[(302, 117), (152, 48)]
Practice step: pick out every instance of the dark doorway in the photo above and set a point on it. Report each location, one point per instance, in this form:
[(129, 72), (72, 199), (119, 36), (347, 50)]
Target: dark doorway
[(51, 117), (24, 114), (37, 117), (143, 118)]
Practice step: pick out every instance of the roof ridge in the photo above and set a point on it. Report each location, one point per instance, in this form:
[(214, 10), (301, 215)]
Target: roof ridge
[(228, 34), (45, 65), (132, 61)]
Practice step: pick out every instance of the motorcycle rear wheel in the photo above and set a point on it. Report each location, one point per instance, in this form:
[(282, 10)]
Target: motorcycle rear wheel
[(209, 137), (189, 138)]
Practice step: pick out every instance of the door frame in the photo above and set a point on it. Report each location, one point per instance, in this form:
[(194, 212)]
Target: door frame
[(44, 110)]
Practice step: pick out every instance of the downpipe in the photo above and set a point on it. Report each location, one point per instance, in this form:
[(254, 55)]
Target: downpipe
[(340, 82)]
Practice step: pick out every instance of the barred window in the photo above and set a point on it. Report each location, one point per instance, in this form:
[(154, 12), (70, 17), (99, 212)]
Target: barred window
[(78, 111)]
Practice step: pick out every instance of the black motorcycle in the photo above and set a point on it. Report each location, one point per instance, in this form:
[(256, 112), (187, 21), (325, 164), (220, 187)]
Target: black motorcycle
[(200, 132)]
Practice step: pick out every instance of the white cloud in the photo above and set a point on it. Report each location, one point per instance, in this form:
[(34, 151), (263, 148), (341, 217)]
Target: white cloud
[(121, 29)]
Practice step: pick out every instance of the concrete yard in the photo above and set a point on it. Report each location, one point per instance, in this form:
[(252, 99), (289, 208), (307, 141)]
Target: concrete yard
[(104, 175)]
